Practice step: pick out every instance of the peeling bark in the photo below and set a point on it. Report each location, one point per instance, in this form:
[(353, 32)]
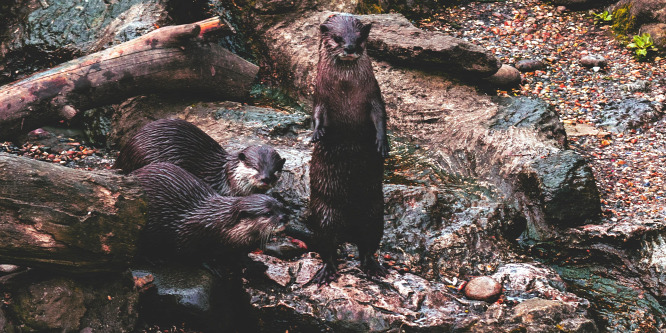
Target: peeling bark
[(67, 219)]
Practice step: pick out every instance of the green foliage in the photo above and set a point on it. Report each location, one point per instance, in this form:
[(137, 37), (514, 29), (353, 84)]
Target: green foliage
[(642, 44), (603, 18)]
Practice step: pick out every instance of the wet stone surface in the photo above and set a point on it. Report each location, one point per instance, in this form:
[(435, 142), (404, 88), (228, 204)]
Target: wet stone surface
[(628, 114)]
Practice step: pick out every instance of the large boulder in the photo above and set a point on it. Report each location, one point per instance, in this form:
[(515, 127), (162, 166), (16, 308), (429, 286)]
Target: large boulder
[(396, 40)]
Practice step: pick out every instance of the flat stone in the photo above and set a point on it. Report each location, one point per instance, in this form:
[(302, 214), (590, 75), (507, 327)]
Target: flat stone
[(506, 77), (593, 60), (393, 38), (530, 65), (483, 288)]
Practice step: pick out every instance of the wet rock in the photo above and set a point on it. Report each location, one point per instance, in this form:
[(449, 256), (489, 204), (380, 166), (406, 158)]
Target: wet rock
[(530, 113), (631, 113), (434, 228), (568, 191), (637, 86), (38, 134), (139, 19), (353, 304), (193, 295), (522, 281), (593, 61), (540, 315), (7, 268), (483, 288), (179, 287), (97, 125), (399, 301), (530, 65), (396, 40), (264, 121), (45, 302), (506, 77)]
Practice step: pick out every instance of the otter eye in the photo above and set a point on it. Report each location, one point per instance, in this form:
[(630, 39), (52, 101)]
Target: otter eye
[(337, 39)]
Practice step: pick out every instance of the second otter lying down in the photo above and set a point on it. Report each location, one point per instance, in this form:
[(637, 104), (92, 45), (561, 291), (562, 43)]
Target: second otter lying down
[(189, 220), (253, 170)]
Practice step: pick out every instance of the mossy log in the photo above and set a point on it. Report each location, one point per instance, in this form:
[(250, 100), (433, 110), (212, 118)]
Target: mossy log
[(168, 60), (67, 219)]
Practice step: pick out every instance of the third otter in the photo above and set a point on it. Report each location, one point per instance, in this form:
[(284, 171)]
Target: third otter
[(347, 166), (253, 170), (187, 219)]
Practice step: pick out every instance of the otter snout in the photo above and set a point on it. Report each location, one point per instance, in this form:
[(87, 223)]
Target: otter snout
[(266, 181), (349, 49)]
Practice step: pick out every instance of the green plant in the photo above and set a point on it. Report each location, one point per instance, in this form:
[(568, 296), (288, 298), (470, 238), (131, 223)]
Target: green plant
[(641, 45), (603, 18)]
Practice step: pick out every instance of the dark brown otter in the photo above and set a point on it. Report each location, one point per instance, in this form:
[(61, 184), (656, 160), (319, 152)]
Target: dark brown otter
[(347, 166), (253, 170), (189, 220)]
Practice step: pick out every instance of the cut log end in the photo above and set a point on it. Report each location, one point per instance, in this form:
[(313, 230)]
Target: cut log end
[(214, 24)]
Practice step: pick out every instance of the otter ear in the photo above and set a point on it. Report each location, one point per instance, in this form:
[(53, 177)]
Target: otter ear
[(365, 31), (242, 157), (323, 28)]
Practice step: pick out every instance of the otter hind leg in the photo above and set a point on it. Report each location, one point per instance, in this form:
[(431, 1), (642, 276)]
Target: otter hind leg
[(369, 265), (328, 271)]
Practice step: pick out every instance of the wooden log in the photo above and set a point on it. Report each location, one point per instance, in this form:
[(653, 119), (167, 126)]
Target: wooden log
[(168, 60), (67, 219)]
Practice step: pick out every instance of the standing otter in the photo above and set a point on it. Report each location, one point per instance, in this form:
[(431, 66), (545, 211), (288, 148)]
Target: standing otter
[(253, 170), (347, 166), (188, 219)]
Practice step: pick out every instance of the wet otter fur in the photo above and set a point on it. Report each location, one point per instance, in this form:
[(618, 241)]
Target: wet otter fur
[(350, 145), (253, 170), (187, 219)]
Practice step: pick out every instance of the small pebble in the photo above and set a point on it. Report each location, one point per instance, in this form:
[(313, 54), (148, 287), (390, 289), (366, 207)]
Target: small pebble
[(483, 288), (529, 65), (593, 60), (506, 77)]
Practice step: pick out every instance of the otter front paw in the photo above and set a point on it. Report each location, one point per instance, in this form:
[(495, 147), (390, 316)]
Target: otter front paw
[(317, 134), (383, 147)]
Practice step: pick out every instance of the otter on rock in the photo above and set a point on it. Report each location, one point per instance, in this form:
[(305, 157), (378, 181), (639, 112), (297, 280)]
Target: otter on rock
[(350, 145), (253, 170), (188, 219)]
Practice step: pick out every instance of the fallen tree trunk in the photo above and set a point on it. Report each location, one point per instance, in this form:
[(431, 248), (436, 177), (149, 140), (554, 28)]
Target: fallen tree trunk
[(169, 59), (67, 219)]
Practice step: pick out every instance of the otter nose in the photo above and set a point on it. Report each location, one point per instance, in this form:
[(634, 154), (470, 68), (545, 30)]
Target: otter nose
[(266, 179), (349, 48)]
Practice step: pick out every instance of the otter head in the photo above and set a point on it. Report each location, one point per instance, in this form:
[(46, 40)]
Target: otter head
[(257, 170), (344, 36), (258, 217)]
